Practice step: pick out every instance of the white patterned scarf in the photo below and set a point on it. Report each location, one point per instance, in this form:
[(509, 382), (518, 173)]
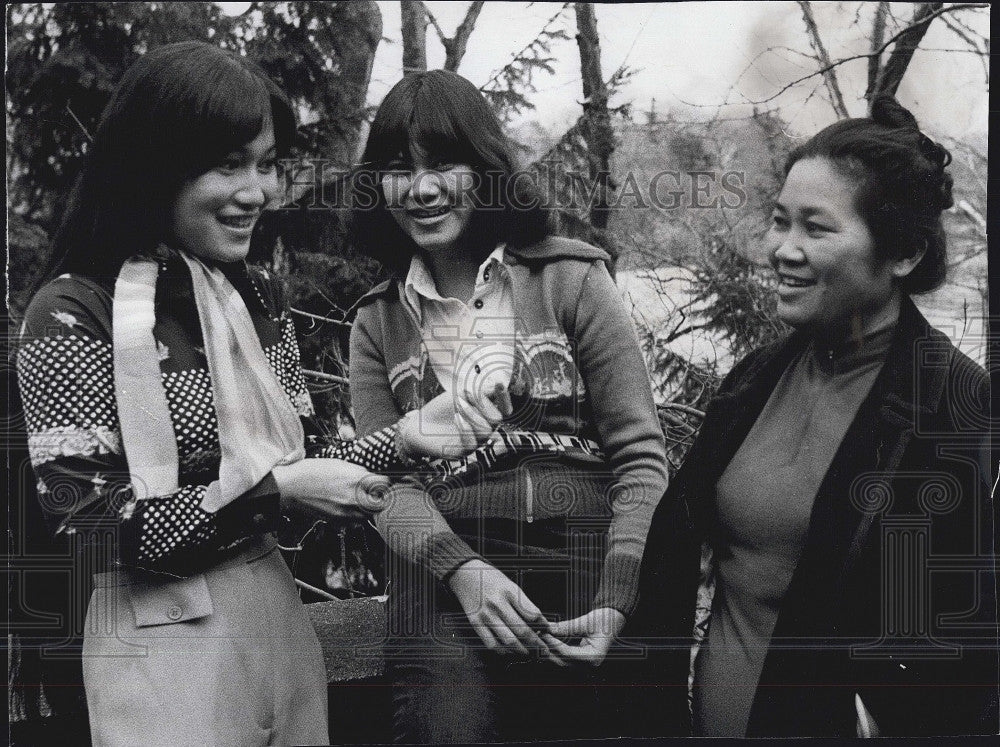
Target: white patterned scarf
[(258, 426)]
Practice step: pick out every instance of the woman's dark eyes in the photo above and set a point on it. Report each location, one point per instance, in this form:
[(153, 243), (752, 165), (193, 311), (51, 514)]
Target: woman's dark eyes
[(230, 163), (816, 227), (234, 163), (405, 167)]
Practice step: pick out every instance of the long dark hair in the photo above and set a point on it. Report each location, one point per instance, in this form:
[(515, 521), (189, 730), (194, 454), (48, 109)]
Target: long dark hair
[(175, 114), (447, 116), (902, 185)]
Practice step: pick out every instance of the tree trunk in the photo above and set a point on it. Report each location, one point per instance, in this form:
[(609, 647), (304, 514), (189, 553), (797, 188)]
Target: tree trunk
[(597, 125), (891, 75), (359, 41), (414, 32), (829, 75)]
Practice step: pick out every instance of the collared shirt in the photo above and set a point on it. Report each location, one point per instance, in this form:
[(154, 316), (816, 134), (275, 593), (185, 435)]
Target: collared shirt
[(470, 346)]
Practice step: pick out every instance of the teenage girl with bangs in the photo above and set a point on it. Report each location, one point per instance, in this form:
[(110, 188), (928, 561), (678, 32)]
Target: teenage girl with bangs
[(515, 566)]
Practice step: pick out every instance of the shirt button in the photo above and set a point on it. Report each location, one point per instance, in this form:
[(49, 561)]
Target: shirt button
[(479, 335), (486, 275), (479, 303), (477, 368), (174, 613)]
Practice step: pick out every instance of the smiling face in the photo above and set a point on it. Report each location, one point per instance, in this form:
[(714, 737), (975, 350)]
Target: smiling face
[(430, 199), (830, 280), (214, 214)]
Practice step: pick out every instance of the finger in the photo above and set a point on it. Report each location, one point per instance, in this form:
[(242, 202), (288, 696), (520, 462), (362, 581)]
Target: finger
[(488, 408), (467, 436), (568, 628), (582, 654), (485, 635), (521, 628), (501, 398), (505, 636), (550, 655), (529, 611), (475, 419)]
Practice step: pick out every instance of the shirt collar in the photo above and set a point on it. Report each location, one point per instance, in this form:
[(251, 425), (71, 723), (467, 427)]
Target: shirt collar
[(419, 284)]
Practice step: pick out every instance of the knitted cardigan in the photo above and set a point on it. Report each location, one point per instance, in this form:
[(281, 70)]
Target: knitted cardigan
[(578, 372)]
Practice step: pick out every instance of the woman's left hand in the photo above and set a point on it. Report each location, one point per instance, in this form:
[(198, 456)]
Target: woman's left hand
[(597, 630)]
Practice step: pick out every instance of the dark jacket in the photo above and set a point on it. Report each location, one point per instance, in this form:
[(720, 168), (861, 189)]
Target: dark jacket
[(894, 596)]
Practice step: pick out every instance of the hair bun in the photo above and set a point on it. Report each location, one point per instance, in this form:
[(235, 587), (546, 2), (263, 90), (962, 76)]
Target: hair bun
[(888, 112), (945, 198), (934, 152)]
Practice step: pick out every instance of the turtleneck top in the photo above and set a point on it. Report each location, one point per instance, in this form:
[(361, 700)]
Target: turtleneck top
[(764, 500)]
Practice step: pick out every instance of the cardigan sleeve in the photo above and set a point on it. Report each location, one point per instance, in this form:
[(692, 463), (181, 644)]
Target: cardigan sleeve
[(621, 399), (410, 525)]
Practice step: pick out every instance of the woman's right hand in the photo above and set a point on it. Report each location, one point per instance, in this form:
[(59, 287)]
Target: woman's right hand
[(332, 488), (500, 612), (451, 424)]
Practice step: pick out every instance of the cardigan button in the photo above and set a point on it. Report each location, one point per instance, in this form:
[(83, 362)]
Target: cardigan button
[(479, 303), (174, 613)]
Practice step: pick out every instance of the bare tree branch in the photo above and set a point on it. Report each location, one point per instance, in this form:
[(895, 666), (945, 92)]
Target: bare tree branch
[(973, 39), (879, 51), (456, 46), (891, 75), (437, 27), (829, 73), (878, 34)]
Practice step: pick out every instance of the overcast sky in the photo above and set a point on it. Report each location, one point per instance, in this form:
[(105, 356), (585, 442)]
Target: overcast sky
[(695, 53)]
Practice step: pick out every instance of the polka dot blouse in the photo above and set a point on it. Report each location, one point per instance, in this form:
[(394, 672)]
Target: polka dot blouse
[(66, 378)]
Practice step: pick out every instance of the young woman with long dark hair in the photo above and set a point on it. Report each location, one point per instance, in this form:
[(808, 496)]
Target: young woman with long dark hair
[(164, 405), (516, 566)]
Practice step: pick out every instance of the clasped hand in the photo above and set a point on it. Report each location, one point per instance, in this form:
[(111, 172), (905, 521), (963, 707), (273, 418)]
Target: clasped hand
[(508, 622), (332, 488)]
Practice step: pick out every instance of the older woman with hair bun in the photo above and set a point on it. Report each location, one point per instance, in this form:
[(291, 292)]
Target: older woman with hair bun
[(842, 475)]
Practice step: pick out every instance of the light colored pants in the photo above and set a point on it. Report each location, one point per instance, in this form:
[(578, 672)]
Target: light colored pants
[(227, 657)]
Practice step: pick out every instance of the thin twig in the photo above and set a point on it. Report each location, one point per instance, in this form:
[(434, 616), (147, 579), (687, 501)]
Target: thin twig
[(314, 590), (319, 318), (323, 376), (76, 119), (683, 408)]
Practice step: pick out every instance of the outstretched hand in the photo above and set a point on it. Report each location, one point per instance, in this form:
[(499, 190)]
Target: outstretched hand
[(451, 424), (596, 632)]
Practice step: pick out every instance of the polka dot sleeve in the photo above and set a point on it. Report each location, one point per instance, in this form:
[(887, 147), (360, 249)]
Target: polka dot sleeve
[(65, 376), (376, 452)]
